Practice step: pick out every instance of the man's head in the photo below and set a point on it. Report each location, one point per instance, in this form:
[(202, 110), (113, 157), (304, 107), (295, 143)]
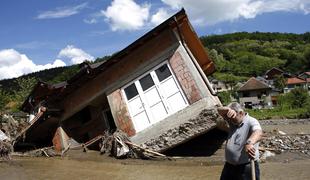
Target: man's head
[(239, 113)]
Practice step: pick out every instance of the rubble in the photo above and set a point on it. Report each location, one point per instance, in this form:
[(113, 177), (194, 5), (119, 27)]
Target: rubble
[(281, 143), (205, 121), (9, 129), (284, 121), (118, 145), (5, 150), (11, 126)]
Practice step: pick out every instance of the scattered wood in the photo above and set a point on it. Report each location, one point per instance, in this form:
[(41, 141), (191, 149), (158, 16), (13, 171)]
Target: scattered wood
[(146, 150), (92, 141), (65, 150), (22, 133), (119, 146), (47, 152), (267, 149)]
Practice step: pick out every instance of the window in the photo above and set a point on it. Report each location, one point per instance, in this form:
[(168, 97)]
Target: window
[(163, 72), (246, 94), (146, 82), (153, 97), (131, 91)]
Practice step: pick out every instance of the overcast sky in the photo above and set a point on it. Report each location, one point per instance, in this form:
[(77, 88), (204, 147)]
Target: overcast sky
[(36, 35)]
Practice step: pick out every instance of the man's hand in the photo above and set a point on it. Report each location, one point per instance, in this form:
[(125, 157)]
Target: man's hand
[(249, 148), (231, 113), (226, 112)]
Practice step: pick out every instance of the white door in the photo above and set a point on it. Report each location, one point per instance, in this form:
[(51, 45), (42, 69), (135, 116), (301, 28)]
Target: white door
[(136, 108), (153, 97), (171, 91)]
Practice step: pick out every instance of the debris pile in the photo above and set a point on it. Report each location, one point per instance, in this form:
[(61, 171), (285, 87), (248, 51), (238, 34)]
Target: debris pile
[(282, 142), (118, 145), (205, 121), (11, 126), (5, 150)]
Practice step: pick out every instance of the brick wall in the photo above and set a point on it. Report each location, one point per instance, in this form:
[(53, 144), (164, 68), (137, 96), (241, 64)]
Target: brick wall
[(120, 112), (185, 78), (57, 141)]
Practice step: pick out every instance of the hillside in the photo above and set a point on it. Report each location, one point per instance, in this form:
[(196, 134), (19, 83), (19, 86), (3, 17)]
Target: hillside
[(241, 55), (237, 57)]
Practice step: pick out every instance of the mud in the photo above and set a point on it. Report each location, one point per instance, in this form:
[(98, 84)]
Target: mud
[(91, 165), (107, 168)]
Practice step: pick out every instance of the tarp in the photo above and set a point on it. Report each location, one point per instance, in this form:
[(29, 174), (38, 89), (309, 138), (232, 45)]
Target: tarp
[(3, 136)]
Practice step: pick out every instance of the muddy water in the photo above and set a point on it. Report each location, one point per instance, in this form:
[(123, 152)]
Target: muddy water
[(98, 167), (57, 168)]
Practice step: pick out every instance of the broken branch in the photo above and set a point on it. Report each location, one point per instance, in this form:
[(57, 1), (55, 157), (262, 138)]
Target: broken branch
[(144, 149)]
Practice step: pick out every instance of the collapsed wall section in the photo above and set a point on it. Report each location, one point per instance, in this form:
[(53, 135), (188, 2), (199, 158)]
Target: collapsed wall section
[(204, 122), (180, 127)]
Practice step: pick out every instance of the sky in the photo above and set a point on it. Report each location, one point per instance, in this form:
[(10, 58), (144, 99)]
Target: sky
[(37, 34)]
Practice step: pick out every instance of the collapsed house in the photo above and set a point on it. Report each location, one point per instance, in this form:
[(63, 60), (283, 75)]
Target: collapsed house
[(155, 90)]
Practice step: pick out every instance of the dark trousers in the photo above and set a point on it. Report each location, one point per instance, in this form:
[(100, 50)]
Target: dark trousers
[(239, 172)]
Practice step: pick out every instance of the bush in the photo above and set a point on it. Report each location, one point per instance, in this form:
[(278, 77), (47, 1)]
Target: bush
[(295, 104), (297, 98), (224, 97)]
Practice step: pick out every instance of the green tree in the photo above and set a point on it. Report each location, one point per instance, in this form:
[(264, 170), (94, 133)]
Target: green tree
[(307, 58), (66, 74), (229, 79), (280, 82), (220, 62), (296, 98), (225, 97), (299, 97), (4, 99), (25, 86)]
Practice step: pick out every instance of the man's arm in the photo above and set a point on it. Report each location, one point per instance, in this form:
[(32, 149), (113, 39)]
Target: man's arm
[(255, 137)]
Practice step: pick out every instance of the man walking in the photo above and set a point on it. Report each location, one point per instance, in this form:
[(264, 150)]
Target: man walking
[(242, 143)]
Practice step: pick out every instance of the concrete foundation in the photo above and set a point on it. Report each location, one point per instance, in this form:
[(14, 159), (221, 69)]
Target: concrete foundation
[(184, 125)]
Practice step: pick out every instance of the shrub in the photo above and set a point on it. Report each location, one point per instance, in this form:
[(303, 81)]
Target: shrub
[(224, 97), (297, 98)]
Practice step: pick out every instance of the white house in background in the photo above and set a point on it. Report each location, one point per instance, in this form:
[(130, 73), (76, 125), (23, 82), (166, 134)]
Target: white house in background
[(218, 86), (255, 93), (306, 76), (295, 82)]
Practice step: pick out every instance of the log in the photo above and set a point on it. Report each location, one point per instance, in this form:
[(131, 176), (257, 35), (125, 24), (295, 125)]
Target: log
[(146, 150), (92, 141), (37, 117)]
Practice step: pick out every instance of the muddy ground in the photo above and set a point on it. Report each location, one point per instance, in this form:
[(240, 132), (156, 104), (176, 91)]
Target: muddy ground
[(91, 165)]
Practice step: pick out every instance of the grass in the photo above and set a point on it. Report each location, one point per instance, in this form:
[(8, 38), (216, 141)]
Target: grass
[(278, 113)]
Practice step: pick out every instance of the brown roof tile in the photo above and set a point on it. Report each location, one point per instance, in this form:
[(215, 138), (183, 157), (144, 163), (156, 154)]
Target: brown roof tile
[(295, 80), (253, 84)]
